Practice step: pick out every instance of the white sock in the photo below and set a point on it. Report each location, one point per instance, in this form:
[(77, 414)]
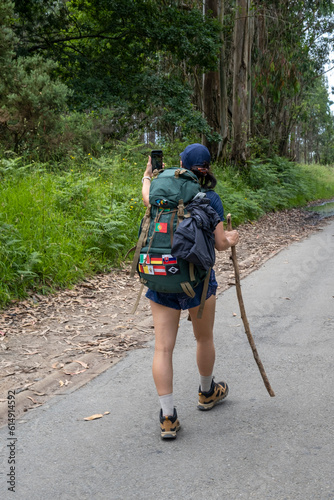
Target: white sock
[(205, 383), (167, 404)]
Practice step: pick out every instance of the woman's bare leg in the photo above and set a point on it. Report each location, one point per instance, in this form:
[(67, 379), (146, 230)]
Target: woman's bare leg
[(203, 331), (166, 324)]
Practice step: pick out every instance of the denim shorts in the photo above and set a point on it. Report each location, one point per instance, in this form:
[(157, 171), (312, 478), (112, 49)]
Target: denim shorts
[(182, 300)]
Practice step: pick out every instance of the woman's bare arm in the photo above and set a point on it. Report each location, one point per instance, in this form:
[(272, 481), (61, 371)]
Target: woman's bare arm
[(147, 183)]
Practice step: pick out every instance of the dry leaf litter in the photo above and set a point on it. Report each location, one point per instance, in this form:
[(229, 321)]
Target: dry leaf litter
[(54, 343)]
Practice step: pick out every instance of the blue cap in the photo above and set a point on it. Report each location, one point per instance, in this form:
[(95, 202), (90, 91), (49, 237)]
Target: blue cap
[(195, 155)]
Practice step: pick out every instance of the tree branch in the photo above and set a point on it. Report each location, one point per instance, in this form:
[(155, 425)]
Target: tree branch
[(47, 43)]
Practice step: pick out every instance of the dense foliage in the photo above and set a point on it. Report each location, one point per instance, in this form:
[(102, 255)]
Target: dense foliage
[(129, 56), (83, 82), (107, 69), (56, 227)]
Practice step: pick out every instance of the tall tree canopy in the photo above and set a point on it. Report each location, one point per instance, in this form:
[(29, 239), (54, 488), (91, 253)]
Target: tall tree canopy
[(280, 51), (133, 53), (239, 72)]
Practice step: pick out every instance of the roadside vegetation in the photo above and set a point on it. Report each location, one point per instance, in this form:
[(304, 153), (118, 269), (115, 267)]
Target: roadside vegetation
[(62, 222), (88, 88)]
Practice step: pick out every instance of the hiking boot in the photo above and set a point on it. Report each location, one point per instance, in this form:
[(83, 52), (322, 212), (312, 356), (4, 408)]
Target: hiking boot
[(208, 400), (169, 425)]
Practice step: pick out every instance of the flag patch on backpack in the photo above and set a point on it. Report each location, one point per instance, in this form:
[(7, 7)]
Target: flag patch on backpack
[(169, 259), (161, 227), (146, 269), (173, 269), (162, 265), (144, 258), (160, 270), (153, 270), (156, 259)]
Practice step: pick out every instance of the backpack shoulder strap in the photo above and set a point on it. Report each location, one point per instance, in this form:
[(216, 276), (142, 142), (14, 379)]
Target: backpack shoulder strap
[(134, 309), (204, 292), (188, 289), (141, 240)]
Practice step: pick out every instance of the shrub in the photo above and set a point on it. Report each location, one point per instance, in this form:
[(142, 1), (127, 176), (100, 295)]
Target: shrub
[(60, 224)]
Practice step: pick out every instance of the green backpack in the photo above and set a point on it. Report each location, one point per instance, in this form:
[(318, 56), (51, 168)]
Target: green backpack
[(170, 192)]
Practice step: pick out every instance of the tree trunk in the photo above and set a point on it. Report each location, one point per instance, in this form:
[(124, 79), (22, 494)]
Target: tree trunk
[(211, 90), (251, 26), (293, 144), (305, 147), (298, 134), (223, 65), (240, 103), (261, 43)]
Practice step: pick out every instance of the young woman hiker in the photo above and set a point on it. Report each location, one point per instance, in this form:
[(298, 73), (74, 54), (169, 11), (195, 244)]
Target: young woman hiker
[(166, 308)]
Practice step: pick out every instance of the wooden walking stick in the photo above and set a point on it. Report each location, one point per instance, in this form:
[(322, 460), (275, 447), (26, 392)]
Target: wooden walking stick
[(244, 317)]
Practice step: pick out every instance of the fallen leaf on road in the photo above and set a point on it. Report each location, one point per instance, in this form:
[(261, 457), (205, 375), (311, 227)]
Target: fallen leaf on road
[(81, 363), (106, 413), (75, 373), (57, 365), (61, 383), (94, 417), (40, 393), (33, 400)]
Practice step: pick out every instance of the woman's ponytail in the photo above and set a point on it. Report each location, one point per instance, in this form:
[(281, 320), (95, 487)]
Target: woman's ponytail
[(206, 178)]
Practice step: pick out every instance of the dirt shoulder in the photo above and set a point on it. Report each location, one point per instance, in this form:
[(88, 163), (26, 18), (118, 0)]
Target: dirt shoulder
[(53, 345)]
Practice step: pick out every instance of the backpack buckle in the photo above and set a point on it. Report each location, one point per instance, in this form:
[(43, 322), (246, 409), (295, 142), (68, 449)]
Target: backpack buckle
[(180, 211)]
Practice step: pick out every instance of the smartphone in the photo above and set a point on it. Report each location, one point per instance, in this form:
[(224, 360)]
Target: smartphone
[(156, 159)]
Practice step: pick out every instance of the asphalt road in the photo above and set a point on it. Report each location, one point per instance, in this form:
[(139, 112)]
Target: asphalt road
[(250, 446)]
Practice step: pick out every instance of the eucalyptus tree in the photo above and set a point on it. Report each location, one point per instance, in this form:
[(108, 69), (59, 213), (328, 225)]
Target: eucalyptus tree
[(289, 54), (241, 79), (315, 138), (236, 71)]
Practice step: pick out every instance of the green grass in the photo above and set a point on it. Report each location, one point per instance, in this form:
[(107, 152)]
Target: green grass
[(57, 227), (272, 186), (322, 179), (60, 223)]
